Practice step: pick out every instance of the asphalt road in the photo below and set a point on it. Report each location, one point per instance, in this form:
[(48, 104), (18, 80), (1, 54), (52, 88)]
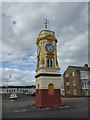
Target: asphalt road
[(23, 108)]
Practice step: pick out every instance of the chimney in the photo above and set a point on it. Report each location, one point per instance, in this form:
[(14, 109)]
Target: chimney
[(86, 66)]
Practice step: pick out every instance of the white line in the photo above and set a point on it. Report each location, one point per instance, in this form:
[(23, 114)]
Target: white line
[(64, 106), (34, 107), (20, 110), (60, 107), (23, 110), (47, 108), (16, 111)]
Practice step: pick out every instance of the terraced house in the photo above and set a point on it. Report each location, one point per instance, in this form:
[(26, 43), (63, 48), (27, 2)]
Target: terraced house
[(77, 81)]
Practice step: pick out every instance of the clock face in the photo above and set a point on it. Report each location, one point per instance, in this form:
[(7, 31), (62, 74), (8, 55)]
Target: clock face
[(38, 50), (49, 47)]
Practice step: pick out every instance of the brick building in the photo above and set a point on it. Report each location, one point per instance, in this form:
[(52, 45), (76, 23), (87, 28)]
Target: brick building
[(77, 80)]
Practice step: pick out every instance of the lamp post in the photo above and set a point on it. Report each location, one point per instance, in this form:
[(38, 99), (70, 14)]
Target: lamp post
[(7, 84)]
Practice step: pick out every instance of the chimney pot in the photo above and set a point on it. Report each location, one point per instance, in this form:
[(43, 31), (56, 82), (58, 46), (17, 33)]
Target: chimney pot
[(86, 65)]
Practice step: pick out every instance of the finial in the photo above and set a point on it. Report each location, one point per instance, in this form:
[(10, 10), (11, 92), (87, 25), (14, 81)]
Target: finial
[(46, 22)]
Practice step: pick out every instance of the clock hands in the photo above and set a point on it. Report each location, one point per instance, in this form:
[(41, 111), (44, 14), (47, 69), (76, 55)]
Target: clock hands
[(49, 47)]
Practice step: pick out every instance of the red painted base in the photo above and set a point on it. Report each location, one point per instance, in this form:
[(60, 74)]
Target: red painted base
[(43, 99)]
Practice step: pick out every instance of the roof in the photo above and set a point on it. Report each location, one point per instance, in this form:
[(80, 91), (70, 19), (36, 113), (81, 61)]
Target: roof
[(47, 31), (80, 68), (46, 34), (33, 86)]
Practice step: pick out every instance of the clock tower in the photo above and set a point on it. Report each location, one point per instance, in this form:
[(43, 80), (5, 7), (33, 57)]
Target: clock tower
[(47, 70)]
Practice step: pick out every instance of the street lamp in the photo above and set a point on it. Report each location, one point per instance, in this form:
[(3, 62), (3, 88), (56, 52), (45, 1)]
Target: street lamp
[(7, 83)]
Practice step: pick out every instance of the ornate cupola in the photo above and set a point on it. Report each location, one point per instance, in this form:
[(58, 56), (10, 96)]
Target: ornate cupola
[(47, 70)]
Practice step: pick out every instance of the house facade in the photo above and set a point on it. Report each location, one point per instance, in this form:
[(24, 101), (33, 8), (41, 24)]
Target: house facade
[(77, 80)]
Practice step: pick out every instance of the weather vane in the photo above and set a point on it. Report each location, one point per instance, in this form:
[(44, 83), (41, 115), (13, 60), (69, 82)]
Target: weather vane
[(46, 22)]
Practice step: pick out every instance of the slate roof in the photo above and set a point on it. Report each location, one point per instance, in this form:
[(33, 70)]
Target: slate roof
[(80, 68)]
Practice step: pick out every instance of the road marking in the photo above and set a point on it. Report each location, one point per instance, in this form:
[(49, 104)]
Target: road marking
[(41, 109), (64, 106), (34, 107), (44, 109), (47, 108), (16, 111), (20, 110)]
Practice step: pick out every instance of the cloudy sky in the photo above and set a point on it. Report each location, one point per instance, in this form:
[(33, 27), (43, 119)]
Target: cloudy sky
[(21, 24)]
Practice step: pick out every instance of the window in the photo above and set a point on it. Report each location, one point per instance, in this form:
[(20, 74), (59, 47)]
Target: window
[(84, 74), (88, 82), (73, 74), (67, 83), (49, 63), (84, 84), (86, 93), (74, 92), (67, 75), (67, 92), (74, 82)]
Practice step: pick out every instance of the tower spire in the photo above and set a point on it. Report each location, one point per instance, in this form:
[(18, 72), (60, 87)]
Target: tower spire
[(46, 23)]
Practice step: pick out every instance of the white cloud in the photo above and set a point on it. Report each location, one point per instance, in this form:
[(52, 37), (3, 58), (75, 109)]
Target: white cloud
[(17, 77), (45, 0), (75, 51), (22, 22)]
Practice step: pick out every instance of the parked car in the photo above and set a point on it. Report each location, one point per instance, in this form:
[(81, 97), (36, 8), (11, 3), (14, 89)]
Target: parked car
[(27, 93), (13, 96), (33, 93)]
